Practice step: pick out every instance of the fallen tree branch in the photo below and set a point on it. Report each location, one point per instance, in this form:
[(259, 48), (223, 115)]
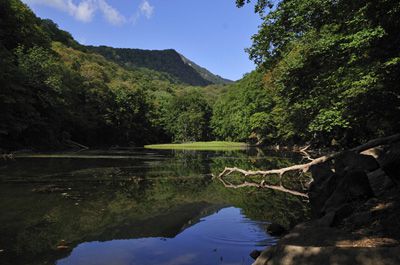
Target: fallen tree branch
[(300, 167), (262, 185), (305, 154)]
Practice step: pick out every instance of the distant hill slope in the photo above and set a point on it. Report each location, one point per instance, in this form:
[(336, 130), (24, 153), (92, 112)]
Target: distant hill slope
[(167, 61), (207, 75)]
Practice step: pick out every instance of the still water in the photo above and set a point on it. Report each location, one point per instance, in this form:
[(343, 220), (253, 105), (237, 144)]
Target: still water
[(137, 207)]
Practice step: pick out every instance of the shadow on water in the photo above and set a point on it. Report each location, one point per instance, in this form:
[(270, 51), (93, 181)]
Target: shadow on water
[(137, 207)]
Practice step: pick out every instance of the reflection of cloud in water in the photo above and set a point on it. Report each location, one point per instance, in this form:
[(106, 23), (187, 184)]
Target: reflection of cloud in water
[(181, 260)]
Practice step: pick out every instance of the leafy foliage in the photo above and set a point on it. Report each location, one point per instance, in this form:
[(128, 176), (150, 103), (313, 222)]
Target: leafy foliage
[(330, 68), (243, 110), (187, 117)]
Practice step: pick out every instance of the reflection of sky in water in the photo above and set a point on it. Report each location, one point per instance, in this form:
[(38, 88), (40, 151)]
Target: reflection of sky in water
[(226, 237)]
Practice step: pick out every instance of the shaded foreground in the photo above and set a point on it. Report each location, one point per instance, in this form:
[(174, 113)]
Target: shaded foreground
[(355, 203)]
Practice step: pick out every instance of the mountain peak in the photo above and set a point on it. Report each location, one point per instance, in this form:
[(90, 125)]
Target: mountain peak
[(168, 61)]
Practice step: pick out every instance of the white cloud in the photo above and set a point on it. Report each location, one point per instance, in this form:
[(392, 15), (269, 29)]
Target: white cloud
[(84, 10), (111, 14), (146, 9)]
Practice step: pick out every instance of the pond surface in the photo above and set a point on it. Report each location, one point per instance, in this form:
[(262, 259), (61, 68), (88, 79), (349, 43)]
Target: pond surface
[(137, 207)]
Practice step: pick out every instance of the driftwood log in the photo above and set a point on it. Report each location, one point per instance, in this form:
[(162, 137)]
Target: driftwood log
[(303, 168)]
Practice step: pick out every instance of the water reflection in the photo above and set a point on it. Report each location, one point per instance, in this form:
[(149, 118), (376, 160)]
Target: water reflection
[(225, 237), (157, 199)]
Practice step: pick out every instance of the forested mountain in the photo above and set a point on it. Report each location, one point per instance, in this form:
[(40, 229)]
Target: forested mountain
[(54, 91), (166, 61)]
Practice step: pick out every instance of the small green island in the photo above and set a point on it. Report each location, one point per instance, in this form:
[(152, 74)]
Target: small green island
[(207, 146)]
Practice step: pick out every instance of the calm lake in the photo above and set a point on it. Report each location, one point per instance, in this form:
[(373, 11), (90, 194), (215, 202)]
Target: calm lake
[(137, 207)]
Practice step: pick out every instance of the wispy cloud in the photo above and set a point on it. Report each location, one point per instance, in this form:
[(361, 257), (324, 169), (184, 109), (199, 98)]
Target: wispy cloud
[(146, 9), (84, 10), (111, 14)]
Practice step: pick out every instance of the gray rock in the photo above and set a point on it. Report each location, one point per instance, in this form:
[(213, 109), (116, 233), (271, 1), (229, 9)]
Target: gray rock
[(354, 186), (326, 220), (379, 182), (390, 162), (342, 213), (321, 172), (276, 229), (319, 193), (351, 161), (360, 219)]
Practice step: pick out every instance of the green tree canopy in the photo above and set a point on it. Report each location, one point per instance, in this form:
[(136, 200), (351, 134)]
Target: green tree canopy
[(333, 65), (187, 117)]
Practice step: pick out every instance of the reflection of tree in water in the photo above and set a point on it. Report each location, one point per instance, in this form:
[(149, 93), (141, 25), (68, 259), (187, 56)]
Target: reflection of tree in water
[(252, 159), (110, 203), (135, 189), (187, 162), (277, 207), (265, 205)]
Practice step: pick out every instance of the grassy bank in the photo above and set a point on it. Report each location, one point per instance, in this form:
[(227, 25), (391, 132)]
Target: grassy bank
[(212, 146)]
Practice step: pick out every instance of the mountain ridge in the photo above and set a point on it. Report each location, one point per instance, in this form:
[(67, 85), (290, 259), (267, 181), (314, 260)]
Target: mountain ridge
[(205, 73), (167, 61)]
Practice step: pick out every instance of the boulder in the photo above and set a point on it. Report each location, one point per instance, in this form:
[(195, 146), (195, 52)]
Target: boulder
[(276, 229), (360, 219), (379, 182), (348, 181), (353, 186), (351, 161), (321, 172), (326, 220), (319, 193), (342, 213), (390, 162)]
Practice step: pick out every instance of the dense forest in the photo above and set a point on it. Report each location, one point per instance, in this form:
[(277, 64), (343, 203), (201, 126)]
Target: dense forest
[(330, 69), (328, 74), (54, 90)]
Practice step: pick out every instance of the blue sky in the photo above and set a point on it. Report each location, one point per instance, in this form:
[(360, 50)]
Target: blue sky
[(212, 33)]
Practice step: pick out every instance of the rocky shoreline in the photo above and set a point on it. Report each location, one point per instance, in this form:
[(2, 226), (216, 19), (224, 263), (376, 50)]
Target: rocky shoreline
[(355, 206)]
